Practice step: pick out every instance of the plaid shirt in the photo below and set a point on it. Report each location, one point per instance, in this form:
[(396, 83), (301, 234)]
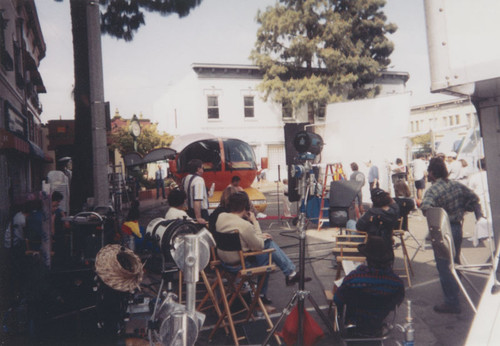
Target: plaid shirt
[(452, 196)]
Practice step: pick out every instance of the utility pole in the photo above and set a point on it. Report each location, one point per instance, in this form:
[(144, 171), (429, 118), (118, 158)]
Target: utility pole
[(97, 106)]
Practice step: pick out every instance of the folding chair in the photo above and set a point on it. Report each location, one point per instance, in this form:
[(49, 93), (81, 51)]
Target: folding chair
[(443, 246), (236, 276), (406, 205), (346, 249), (349, 332)]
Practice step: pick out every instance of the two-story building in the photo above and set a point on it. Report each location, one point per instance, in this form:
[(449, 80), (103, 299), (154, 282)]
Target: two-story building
[(443, 120), (22, 47), (224, 100)]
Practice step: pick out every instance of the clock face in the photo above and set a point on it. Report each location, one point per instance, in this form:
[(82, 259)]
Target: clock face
[(135, 129)]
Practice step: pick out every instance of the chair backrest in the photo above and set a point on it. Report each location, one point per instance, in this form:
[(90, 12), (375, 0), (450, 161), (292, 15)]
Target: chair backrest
[(351, 332), (405, 206), (227, 241), (440, 229)]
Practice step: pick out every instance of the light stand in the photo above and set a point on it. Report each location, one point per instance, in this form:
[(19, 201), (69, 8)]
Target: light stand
[(301, 294), (173, 323)]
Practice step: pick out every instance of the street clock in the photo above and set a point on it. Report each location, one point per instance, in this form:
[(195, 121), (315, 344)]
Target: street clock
[(135, 127)]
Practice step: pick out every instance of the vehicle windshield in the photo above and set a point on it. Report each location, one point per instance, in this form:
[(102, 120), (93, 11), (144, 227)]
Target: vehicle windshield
[(238, 155), (207, 151)]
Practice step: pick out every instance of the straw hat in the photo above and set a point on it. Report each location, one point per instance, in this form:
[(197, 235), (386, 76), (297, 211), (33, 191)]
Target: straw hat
[(119, 268)]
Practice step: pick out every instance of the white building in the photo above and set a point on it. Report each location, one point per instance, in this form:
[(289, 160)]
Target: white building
[(223, 100), (446, 120)]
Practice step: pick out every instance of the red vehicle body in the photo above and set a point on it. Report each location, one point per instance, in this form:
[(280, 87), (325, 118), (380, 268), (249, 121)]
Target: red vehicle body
[(222, 159)]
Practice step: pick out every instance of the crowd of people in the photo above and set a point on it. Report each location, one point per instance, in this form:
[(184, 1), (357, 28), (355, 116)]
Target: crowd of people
[(376, 281), (374, 284)]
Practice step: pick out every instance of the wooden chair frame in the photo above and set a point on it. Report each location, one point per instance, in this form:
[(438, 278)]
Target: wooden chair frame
[(236, 278)]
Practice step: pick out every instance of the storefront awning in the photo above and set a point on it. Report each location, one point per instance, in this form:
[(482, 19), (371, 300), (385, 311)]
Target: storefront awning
[(132, 159), (36, 151), (158, 155)]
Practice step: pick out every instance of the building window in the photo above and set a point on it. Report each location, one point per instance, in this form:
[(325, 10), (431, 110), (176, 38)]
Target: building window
[(451, 120), (213, 107), (321, 110), (457, 119), (5, 58), (412, 126), (248, 106), (469, 119), (287, 109)]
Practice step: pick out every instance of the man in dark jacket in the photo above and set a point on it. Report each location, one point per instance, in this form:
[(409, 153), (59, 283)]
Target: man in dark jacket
[(370, 291), (382, 218)]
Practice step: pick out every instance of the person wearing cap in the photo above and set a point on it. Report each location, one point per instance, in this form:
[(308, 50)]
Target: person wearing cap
[(381, 218), (372, 290), (456, 199)]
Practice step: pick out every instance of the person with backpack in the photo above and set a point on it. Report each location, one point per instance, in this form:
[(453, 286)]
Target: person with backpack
[(382, 218), (196, 191)]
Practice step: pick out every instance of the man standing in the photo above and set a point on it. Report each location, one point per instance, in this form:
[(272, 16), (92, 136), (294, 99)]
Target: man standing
[(373, 178), (160, 182), (196, 191), (356, 175), (455, 198), (454, 166), (419, 172)]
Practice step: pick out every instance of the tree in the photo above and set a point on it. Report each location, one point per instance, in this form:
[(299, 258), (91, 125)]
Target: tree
[(119, 18), (149, 139), (423, 143), (314, 52)]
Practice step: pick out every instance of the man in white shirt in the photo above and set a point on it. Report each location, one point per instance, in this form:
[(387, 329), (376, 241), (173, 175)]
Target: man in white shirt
[(419, 174), (196, 191), (454, 166)]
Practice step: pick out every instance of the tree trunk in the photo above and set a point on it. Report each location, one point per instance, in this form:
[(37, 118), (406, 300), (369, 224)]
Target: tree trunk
[(82, 185)]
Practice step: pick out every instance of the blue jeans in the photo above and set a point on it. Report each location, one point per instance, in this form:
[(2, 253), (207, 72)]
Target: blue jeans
[(448, 282), (279, 258)]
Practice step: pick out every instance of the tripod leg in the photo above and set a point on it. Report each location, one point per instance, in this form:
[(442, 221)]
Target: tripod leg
[(321, 314), (286, 312)]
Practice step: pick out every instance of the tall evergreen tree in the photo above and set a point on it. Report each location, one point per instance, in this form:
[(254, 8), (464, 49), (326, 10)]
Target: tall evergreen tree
[(314, 52)]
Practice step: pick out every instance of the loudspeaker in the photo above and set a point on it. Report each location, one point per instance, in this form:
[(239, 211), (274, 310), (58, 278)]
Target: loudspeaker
[(342, 194), (291, 129)]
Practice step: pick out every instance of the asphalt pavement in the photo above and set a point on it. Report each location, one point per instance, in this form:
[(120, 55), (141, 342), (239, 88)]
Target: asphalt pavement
[(430, 327)]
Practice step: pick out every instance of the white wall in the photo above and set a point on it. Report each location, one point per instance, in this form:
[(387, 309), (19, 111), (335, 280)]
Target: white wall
[(365, 130)]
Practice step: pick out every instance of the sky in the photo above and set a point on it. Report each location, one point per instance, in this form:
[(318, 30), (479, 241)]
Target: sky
[(138, 73)]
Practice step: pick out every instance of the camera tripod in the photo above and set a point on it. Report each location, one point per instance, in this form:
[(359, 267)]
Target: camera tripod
[(301, 294)]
